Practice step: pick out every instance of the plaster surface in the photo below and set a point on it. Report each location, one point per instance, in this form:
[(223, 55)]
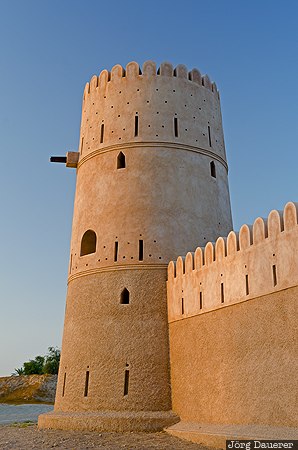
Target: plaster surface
[(233, 326), (151, 183)]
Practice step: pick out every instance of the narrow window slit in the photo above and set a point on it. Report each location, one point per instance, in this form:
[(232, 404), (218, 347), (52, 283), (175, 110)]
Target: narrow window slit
[(70, 263), (116, 251), (182, 306), (86, 383), (246, 284), (136, 126), (126, 381), (209, 136), (212, 169), (141, 250), (176, 126), (124, 297), (121, 161), (82, 144), (63, 387), (222, 294), (102, 128), (201, 299), (274, 275)]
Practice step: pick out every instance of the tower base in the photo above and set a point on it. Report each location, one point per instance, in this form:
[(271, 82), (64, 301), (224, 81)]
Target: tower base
[(117, 421)]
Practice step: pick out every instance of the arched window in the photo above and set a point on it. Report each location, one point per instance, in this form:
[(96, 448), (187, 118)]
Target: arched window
[(88, 243), (121, 161), (124, 297), (212, 169)]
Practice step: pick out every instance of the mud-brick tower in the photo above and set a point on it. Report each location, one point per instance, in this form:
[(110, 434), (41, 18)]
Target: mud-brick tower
[(151, 184)]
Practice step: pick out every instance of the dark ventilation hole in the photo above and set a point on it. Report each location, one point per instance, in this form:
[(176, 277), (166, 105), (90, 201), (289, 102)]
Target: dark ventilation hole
[(63, 387), (82, 145), (126, 380), (274, 275), (212, 169), (209, 136), (176, 126), (201, 299), (121, 161), (222, 294), (116, 248), (136, 126), (246, 284), (141, 250), (124, 297), (182, 306), (86, 383), (88, 243), (102, 129)]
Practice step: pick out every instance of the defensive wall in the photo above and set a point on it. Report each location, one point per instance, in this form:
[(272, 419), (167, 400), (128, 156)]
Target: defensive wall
[(232, 311), (151, 155)]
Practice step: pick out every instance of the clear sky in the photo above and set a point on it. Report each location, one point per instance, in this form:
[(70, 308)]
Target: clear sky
[(50, 48)]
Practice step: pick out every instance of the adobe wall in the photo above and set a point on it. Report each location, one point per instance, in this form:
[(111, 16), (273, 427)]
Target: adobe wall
[(233, 348), (151, 183)]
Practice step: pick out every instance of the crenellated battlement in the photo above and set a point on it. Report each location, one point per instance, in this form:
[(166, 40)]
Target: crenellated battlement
[(258, 260), (129, 106), (149, 71)]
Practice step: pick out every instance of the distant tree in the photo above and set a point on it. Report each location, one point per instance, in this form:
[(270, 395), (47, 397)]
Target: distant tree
[(18, 371), (48, 364), (34, 366), (52, 360)]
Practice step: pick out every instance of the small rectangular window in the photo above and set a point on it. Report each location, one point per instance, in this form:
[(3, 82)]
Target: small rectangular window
[(116, 252), (136, 126), (182, 306), (212, 169), (63, 387), (86, 384), (274, 275), (126, 381), (141, 250), (201, 299), (102, 128), (209, 136), (222, 293), (246, 284), (176, 126)]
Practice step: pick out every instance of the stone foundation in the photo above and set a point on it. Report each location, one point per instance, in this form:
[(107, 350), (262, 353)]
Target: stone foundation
[(112, 421)]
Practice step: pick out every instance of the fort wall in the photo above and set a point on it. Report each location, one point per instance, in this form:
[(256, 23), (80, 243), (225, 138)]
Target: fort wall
[(151, 183), (232, 310)]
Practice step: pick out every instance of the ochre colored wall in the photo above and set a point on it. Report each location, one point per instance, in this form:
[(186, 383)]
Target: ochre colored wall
[(232, 311), (167, 197), (102, 336), (238, 364)]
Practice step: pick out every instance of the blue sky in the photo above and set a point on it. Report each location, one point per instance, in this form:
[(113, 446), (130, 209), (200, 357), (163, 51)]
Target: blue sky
[(50, 48)]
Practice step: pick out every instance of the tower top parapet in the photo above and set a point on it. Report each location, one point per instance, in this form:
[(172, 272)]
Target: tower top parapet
[(149, 70)]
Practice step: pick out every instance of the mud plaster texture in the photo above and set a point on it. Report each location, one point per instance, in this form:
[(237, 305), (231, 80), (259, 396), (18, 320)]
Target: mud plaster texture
[(238, 365), (102, 335), (22, 437), (165, 196)]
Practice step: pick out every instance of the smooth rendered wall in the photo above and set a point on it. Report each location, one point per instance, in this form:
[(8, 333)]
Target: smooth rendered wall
[(232, 312), (146, 189), (238, 364)]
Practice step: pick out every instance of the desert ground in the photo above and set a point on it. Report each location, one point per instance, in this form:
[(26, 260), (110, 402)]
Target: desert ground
[(26, 436)]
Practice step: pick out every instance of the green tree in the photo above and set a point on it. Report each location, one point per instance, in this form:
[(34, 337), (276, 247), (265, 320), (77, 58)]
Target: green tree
[(48, 364), (34, 366), (52, 360)]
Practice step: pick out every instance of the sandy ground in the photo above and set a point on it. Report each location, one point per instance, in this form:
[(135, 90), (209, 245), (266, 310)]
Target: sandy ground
[(27, 437)]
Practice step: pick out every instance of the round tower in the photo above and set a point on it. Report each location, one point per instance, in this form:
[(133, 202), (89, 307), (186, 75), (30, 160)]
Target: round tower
[(151, 185)]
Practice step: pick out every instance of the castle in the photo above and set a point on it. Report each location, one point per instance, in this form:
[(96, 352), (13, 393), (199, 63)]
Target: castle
[(149, 343)]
